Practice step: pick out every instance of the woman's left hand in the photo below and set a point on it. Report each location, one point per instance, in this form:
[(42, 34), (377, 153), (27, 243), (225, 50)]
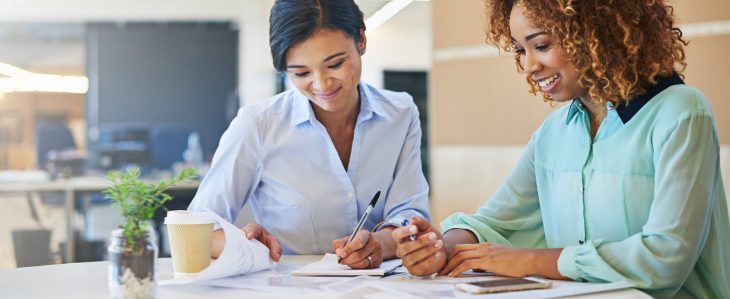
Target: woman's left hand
[(495, 258), (364, 252)]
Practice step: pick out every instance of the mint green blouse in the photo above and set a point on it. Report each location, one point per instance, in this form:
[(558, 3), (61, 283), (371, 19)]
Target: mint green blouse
[(643, 202)]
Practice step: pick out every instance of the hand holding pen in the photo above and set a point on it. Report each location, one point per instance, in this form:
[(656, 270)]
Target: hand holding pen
[(360, 250), (423, 255), (413, 229)]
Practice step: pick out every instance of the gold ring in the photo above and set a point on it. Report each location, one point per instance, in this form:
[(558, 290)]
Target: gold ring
[(370, 261)]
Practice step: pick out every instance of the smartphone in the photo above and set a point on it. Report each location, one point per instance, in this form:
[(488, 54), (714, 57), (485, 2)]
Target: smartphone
[(502, 285)]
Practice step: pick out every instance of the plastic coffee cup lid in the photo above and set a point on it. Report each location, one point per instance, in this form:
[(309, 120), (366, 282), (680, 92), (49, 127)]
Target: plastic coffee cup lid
[(187, 217)]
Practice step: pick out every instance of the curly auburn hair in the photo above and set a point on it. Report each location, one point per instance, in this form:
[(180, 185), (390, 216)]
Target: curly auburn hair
[(619, 47)]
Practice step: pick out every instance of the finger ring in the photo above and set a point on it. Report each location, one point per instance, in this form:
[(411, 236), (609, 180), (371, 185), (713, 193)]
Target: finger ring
[(370, 261)]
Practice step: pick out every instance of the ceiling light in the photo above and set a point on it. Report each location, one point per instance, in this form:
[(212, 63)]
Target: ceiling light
[(20, 80), (13, 71), (384, 14)]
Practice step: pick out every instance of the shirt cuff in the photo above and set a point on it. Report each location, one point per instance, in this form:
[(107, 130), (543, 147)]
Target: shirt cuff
[(566, 262), (466, 227)]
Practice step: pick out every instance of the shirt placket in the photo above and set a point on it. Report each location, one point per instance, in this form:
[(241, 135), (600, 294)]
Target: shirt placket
[(581, 234), (350, 213)]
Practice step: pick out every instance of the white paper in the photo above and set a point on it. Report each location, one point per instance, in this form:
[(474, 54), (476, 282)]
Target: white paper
[(560, 290), (240, 256), (272, 282), (373, 290), (328, 266), (442, 287), (343, 286)]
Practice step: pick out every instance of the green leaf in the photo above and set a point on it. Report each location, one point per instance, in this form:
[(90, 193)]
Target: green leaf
[(138, 200)]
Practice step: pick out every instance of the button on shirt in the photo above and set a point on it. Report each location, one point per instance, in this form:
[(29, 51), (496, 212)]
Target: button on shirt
[(278, 157), (643, 202)]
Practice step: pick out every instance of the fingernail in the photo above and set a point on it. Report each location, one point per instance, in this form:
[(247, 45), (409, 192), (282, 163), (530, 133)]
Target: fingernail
[(337, 252), (437, 254), (432, 236), (413, 229), (438, 245), (249, 235)]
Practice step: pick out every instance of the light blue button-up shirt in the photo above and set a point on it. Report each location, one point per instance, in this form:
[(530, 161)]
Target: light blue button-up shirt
[(643, 202), (277, 156)]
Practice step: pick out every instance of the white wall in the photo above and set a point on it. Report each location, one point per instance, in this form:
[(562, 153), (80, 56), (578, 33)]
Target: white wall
[(256, 73), (403, 43)]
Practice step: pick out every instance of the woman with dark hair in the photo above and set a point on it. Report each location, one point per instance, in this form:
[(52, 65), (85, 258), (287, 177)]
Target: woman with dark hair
[(622, 183), (310, 160)]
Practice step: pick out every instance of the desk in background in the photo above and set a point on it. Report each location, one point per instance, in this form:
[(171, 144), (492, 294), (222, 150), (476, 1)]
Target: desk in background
[(70, 188)]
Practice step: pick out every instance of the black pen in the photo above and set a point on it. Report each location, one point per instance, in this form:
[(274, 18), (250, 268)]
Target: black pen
[(362, 220)]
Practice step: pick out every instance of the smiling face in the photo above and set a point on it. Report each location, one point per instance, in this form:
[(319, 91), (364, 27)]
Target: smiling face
[(326, 68), (543, 60)]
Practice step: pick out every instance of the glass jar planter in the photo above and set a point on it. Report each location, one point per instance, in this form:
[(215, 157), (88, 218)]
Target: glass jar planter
[(132, 269)]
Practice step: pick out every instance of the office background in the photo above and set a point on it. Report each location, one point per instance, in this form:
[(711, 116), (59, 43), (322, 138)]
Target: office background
[(478, 115)]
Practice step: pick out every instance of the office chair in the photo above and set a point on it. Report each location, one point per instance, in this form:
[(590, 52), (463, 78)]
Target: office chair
[(52, 137), (167, 144)]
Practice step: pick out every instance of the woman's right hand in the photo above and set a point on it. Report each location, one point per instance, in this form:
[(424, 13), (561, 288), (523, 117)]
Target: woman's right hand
[(426, 254), (255, 231)]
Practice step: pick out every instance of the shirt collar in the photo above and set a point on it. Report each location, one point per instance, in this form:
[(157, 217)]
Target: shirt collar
[(302, 109), (626, 112), (574, 108)]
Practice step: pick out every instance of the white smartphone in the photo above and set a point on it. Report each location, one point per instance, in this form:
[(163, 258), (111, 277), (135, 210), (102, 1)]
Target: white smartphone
[(502, 285)]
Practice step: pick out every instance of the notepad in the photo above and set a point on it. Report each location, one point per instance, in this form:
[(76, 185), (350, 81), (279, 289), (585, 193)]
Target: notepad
[(328, 266)]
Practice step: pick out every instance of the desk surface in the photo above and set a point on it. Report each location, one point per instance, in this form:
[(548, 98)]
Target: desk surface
[(89, 280)]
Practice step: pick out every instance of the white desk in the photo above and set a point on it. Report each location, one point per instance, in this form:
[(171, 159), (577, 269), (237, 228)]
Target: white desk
[(70, 187), (89, 280)]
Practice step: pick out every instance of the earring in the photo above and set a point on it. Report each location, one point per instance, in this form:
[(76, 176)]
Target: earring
[(362, 51)]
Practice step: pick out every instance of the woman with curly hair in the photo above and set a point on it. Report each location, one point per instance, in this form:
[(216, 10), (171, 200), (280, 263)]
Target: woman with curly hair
[(622, 183)]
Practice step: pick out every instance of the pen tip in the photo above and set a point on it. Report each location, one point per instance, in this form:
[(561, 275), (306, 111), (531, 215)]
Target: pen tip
[(375, 199)]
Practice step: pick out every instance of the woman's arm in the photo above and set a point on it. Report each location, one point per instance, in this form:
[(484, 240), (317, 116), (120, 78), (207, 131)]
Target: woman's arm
[(234, 173), (408, 193)]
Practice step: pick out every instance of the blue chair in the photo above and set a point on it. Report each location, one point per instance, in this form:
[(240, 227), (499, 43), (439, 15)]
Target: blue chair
[(52, 137), (167, 144)]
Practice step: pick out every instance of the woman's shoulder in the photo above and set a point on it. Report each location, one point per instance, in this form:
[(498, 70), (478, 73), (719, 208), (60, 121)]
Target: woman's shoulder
[(388, 101), (399, 99), (680, 101), (270, 108)]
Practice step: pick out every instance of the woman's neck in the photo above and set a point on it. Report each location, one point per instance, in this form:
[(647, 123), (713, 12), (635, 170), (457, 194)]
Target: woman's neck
[(596, 114), (335, 120)]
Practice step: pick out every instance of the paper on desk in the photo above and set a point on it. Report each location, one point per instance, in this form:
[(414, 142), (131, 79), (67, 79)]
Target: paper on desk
[(328, 266), (240, 256), (373, 290), (442, 287)]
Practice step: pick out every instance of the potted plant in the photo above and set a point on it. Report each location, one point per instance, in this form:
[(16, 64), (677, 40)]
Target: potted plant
[(133, 248)]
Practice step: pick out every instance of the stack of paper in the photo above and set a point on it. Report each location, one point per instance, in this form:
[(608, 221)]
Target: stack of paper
[(328, 266), (240, 255)]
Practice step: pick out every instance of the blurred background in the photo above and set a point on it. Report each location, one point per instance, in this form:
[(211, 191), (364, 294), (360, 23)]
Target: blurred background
[(88, 86)]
